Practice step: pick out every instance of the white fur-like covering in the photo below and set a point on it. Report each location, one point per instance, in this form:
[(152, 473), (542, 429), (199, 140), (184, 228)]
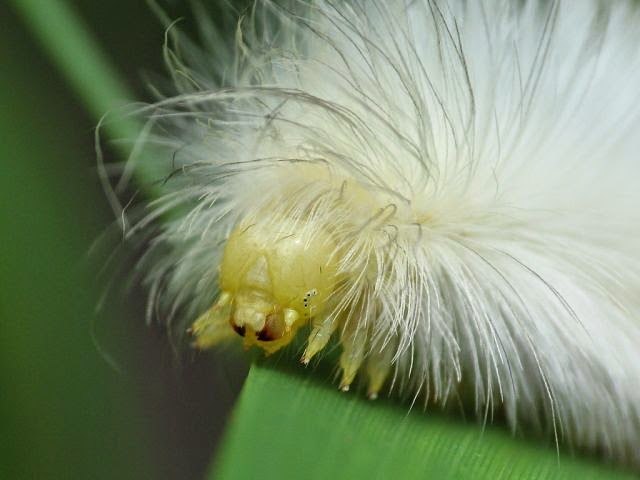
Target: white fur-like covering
[(479, 165)]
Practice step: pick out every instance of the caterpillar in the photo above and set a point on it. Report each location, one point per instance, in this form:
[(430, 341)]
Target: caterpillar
[(447, 189)]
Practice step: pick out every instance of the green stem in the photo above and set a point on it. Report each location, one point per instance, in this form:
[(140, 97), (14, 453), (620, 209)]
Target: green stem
[(73, 49)]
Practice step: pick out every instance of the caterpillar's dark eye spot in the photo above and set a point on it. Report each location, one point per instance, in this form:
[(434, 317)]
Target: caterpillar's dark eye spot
[(239, 330), (265, 335), (273, 328)]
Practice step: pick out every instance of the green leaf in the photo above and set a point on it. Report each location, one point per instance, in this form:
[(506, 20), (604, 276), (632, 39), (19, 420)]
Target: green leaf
[(290, 422)]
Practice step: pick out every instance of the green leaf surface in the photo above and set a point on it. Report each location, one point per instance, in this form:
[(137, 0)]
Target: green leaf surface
[(289, 423)]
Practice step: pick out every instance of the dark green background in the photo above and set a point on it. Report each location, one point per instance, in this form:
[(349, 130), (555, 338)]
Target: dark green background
[(64, 411)]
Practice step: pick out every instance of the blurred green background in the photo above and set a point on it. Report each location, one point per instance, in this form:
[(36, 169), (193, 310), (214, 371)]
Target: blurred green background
[(64, 411)]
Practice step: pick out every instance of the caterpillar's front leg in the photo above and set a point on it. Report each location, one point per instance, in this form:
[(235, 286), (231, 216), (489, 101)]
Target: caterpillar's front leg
[(320, 335), (378, 367), (354, 345), (353, 341), (213, 327)]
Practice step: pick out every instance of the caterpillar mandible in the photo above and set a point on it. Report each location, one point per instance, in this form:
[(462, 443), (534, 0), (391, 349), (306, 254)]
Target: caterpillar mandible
[(448, 189)]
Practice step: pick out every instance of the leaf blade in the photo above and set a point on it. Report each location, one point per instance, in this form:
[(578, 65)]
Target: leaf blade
[(289, 425)]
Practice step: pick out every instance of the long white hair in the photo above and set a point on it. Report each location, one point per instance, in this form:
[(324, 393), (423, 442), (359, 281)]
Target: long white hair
[(478, 165)]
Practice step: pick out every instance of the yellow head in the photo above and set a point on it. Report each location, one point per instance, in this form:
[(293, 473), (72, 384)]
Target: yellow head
[(273, 281)]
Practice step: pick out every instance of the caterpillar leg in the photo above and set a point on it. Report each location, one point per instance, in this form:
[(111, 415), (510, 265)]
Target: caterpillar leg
[(321, 332), (378, 367), (353, 341), (212, 327)]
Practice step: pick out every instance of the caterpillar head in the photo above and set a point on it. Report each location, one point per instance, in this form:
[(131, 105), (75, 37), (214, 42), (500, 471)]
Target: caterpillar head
[(274, 279)]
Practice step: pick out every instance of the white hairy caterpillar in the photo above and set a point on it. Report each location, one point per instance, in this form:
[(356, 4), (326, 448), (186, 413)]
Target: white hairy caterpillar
[(448, 188)]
